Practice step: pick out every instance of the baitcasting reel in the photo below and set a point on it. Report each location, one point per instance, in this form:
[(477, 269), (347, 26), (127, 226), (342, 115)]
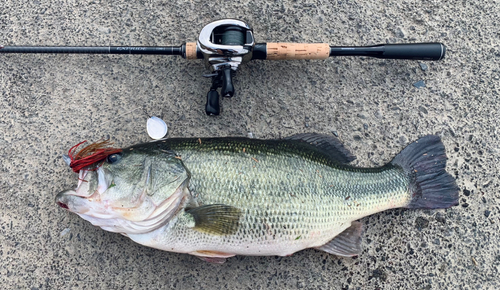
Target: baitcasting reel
[(225, 44), (228, 43)]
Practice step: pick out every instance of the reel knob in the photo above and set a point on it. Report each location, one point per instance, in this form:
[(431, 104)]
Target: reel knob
[(212, 108), (227, 83)]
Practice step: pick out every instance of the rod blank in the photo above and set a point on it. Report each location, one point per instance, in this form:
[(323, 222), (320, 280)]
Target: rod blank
[(158, 50), (416, 51)]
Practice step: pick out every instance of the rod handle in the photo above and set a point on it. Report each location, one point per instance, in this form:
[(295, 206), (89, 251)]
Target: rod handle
[(283, 50), (191, 50)]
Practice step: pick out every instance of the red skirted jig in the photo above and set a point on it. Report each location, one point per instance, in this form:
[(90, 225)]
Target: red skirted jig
[(90, 154)]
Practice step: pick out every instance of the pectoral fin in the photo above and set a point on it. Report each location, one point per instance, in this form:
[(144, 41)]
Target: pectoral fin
[(216, 219), (347, 243)]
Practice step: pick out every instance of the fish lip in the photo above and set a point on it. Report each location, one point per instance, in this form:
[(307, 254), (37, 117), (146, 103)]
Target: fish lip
[(63, 205), (70, 201), (60, 201)]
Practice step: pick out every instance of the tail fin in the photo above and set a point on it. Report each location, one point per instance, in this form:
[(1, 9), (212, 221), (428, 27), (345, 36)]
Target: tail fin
[(432, 186)]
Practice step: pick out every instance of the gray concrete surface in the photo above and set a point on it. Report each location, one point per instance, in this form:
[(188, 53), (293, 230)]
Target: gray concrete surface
[(51, 102)]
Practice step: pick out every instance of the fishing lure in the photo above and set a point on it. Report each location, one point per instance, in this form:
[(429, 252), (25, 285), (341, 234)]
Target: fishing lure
[(91, 155)]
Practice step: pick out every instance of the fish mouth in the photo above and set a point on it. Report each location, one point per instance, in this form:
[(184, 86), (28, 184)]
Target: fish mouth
[(86, 202), (69, 199), (63, 205), (86, 197)]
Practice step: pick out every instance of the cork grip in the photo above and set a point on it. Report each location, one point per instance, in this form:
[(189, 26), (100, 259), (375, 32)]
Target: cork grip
[(279, 51), (191, 50)]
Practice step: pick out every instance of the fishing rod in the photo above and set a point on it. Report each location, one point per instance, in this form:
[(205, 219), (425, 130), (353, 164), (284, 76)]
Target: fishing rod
[(226, 44)]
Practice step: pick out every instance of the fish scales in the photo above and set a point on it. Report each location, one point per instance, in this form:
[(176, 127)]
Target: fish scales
[(287, 202)]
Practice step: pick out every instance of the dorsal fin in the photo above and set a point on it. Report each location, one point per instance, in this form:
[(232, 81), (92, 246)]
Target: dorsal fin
[(328, 145)]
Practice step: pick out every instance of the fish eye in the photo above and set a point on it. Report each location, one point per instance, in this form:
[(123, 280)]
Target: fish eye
[(113, 158)]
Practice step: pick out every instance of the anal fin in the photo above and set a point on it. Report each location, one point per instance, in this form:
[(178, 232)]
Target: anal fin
[(347, 243)]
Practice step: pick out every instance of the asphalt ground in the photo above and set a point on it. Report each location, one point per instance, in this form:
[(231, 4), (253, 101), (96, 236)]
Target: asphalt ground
[(51, 102)]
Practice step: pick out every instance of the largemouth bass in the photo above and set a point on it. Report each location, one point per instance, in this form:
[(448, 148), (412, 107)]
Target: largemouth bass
[(219, 197)]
